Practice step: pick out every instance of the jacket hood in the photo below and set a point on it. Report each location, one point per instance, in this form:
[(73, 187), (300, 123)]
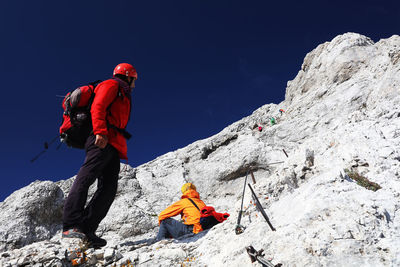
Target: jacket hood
[(191, 194), (124, 86)]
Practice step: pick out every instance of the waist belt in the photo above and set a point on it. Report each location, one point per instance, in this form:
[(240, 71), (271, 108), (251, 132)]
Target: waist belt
[(124, 132)]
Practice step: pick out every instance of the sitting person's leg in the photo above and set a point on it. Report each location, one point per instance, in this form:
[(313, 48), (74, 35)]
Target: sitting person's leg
[(163, 231), (174, 228)]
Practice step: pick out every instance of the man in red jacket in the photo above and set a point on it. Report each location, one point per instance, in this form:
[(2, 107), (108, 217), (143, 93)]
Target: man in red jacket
[(110, 113)]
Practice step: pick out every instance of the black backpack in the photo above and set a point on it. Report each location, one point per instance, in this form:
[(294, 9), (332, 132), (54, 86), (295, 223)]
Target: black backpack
[(76, 125), (206, 222)]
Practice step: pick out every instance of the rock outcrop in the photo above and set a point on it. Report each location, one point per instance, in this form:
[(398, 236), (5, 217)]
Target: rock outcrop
[(341, 123), (31, 214)]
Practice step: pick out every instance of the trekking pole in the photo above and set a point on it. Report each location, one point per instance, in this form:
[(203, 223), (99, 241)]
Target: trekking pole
[(239, 228), (252, 177), (59, 145), (38, 155), (259, 256), (260, 208), (278, 162), (285, 152), (265, 166), (46, 147)]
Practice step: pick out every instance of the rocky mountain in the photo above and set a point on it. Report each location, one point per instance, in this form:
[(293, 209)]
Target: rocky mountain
[(326, 173)]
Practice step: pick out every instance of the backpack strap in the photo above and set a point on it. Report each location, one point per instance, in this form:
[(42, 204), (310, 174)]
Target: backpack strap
[(95, 83), (207, 222), (124, 132), (191, 200), (92, 86)]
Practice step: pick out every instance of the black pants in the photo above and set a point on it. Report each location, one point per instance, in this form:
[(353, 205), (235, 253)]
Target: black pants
[(101, 164)]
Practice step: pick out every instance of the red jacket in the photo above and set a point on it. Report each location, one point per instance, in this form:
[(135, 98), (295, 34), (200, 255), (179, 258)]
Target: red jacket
[(112, 104)]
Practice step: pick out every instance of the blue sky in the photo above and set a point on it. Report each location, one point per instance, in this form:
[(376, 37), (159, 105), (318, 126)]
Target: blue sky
[(202, 65)]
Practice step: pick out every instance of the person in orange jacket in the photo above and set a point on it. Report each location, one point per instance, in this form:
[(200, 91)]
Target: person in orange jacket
[(190, 215), (110, 112)]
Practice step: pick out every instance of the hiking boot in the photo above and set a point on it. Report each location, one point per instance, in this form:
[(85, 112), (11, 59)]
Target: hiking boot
[(94, 241), (73, 233)]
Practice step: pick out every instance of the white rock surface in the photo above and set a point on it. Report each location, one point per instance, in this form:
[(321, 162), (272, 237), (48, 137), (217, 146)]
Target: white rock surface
[(343, 106), (30, 214)]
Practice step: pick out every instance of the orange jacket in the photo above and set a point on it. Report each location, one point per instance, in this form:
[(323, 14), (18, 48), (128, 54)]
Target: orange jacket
[(189, 213), (111, 92)]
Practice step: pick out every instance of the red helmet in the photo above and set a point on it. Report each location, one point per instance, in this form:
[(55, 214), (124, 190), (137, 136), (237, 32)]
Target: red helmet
[(126, 70)]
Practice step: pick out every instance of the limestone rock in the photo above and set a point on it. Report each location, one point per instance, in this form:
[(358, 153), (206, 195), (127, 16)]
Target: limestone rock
[(31, 214), (342, 111)]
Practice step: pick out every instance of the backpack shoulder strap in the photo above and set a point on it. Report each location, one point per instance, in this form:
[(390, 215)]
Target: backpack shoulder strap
[(124, 132), (191, 200), (92, 86), (95, 83)]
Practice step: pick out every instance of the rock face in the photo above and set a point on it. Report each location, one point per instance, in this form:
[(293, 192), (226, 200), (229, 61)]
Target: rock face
[(30, 214), (341, 122)]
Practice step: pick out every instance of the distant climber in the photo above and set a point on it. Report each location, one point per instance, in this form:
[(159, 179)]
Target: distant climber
[(272, 120), (196, 216), (110, 114), (260, 128), (281, 111)]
